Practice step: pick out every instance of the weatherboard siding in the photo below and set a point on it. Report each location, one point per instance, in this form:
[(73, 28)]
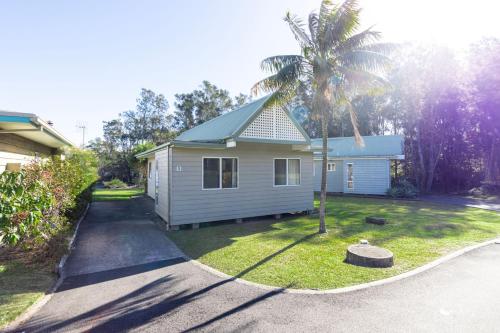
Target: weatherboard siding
[(370, 176), (19, 150), (334, 179), (255, 195), (161, 161)]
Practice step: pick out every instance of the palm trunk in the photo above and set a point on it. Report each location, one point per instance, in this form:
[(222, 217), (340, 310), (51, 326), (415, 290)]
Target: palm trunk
[(324, 161)]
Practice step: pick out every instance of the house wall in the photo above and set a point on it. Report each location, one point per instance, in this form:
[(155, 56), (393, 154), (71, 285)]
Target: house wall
[(334, 179), (16, 149), (255, 195), (370, 176), (161, 183), (151, 177)]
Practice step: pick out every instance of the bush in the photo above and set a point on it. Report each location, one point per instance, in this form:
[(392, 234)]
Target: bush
[(115, 183), (37, 202), (402, 189)]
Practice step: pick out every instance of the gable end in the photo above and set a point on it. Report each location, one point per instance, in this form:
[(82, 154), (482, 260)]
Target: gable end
[(273, 124)]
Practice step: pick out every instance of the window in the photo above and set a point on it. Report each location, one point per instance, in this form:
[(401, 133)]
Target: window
[(330, 166), (350, 182), (229, 173), (220, 173), (149, 170), (286, 171)]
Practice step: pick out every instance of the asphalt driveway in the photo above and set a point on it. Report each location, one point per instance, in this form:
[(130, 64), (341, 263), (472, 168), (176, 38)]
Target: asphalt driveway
[(463, 201), (118, 234), (165, 293)]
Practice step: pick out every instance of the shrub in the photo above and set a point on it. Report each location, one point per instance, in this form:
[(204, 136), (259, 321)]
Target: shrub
[(37, 202), (402, 189), (24, 201), (115, 183)]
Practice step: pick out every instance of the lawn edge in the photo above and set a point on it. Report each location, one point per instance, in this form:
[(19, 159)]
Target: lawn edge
[(348, 289), (38, 304)]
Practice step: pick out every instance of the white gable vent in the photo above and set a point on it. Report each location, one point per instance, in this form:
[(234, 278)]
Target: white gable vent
[(273, 124)]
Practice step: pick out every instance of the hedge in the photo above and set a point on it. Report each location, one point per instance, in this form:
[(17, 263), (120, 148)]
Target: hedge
[(41, 200)]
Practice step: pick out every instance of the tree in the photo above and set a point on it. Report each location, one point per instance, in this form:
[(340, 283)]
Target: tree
[(484, 68), (426, 94), (203, 104), (150, 121), (335, 61)]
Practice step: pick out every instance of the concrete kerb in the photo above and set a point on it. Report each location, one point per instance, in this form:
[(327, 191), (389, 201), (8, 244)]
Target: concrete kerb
[(402, 276), (62, 262), (60, 272)]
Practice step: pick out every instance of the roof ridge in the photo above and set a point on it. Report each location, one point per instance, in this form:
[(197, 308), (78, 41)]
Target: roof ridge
[(238, 115)]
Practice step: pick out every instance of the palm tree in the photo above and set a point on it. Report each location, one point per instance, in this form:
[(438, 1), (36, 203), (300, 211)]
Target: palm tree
[(336, 62)]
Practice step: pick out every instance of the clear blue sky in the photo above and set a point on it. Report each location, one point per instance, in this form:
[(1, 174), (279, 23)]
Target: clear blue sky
[(86, 61)]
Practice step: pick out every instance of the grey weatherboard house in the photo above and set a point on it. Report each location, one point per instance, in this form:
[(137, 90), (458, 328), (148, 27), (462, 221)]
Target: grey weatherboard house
[(253, 161), (358, 170)]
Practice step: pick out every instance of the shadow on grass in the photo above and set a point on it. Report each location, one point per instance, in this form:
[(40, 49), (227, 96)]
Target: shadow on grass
[(345, 220)]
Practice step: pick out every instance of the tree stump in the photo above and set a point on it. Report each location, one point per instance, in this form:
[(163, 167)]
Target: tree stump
[(367, 255), (375, 220)]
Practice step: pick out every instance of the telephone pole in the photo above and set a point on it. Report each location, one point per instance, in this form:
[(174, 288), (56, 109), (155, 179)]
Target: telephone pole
[(82, 127)]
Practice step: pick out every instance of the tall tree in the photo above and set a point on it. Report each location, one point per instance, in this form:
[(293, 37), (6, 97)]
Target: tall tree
[(426, 91), (484, 64), (336, 61), (150, 121), (203, 104)]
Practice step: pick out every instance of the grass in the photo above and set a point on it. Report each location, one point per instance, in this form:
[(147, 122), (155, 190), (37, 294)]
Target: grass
[(290, 253), (20, 286), (105, 194)]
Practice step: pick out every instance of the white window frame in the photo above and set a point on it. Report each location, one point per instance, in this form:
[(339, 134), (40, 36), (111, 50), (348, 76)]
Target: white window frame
[(220, 174), (347, 176), (287, 158), (333, 164)]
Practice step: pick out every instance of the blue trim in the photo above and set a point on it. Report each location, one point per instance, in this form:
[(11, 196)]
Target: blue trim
[(14, 119)]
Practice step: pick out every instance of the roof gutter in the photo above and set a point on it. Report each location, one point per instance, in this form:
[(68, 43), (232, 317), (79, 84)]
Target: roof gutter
[(30, 118), (44, 127)]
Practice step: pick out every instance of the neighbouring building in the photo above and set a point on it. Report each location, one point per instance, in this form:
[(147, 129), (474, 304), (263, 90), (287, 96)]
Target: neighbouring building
[(253, 161), (358, 169), (25, 138)]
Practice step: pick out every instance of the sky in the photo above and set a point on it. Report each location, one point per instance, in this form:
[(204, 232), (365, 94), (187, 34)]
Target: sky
[(83, 62)]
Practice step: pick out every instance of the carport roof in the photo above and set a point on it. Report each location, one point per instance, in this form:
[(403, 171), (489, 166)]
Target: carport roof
[(31, 127)]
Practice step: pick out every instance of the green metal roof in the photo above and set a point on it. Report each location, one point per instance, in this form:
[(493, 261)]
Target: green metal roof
[(214, 132), (224, 126), (375, 146)]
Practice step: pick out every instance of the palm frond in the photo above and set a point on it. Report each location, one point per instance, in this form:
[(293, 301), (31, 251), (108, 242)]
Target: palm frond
[(298, 31), (354, 119), (341, 24), (285, 77), (276, 63), (365, 60), (325, 12), (282, 95), (364, 82), (358, 41), (313, 27), (382, 48)]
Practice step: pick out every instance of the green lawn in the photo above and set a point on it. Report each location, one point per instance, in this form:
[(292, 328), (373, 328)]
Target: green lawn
[(20, 286), (106, 194), (289, 253)]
